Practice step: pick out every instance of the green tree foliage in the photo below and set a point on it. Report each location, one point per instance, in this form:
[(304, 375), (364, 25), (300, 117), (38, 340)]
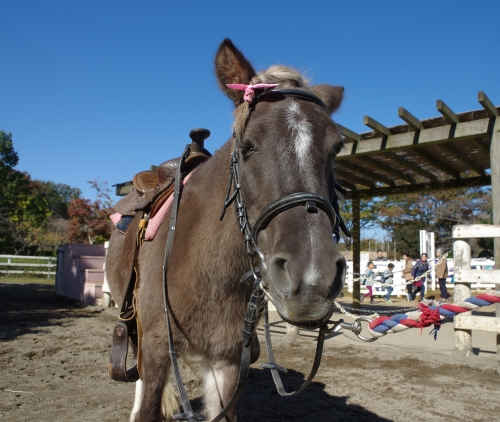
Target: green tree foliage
[(33, 214), (368, 217), (403, 216), (8, 157), (58, 196)]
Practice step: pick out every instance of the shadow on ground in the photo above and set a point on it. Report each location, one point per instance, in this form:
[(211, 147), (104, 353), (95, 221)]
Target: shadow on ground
[(29, 308), (261, 402)]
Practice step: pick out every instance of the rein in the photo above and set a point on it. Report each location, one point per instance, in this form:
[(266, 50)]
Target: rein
[(257, 304)]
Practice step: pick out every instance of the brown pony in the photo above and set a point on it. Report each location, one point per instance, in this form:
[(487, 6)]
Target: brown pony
[(284, 146)]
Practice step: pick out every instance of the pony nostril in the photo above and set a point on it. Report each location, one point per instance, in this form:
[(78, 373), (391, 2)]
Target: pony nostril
[(281, 278)]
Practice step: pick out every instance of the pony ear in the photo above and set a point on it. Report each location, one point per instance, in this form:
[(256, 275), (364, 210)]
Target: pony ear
[(231, 67), (331, 95)]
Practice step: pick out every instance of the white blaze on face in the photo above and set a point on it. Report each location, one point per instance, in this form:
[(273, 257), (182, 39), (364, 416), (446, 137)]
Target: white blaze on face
[(301, 134), (301, 131)]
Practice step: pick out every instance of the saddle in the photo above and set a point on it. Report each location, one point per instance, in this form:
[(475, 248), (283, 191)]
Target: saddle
[(152, 189)]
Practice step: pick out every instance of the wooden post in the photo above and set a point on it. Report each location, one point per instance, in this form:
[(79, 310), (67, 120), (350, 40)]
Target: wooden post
[(495, 198), (356, 253), (292, 330), (461, 261)]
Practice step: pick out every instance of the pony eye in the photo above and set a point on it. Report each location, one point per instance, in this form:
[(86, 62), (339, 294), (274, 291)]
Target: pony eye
[(339, 148), (247, 148)]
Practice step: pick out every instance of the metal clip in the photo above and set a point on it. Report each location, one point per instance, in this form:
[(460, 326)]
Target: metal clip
[(355, 327)]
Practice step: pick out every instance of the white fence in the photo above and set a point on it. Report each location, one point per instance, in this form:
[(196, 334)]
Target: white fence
[(399, 285), (26, 267), (465, 277)]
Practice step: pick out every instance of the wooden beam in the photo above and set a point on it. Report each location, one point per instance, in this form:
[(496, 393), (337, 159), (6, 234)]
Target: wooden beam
[(431, 159), (376, 126), (422, 187), (475, 322), (385, 166), (367, 173), (122, 189), (482, 145), (446, 112), (354, 178), (347, 133), (345, 184), (475, 231), (477, 276), (487, 104), (431, 136), (410, 119), (413, 167), (463, 158)]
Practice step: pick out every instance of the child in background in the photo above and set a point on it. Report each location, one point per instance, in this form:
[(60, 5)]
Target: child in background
[(369, 276), (388, 279)]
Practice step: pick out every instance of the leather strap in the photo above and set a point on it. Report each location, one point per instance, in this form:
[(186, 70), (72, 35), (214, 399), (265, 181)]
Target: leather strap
[(277, 95), (117, 366), (127, 326), (290, 201), (275, 368)]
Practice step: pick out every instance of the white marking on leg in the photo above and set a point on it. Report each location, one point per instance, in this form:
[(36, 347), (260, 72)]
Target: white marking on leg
[(219, 384), (301, 131), (214, 388), (137, 400)]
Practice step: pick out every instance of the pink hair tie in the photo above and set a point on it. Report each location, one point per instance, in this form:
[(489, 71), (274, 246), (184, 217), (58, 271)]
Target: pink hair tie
[(249, 89)]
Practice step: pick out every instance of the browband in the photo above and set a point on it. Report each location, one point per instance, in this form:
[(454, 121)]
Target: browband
[(277, 95)]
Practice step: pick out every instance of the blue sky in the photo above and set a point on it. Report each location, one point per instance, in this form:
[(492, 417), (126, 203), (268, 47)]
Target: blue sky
[(103, 89)]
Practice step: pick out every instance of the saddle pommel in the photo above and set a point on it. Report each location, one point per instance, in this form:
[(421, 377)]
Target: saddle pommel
[(198, 136)]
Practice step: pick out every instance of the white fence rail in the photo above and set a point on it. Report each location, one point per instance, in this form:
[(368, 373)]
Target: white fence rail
[(464, 276), (25, 267)]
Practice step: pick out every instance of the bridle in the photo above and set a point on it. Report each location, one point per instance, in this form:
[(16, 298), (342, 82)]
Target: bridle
[(311, 201), (257, 304)]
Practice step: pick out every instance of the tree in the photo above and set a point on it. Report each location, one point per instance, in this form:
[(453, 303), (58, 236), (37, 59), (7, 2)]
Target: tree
[(59, 196), (368, 217), (29, 208), (403, 216), (8, 157), (89, 221)]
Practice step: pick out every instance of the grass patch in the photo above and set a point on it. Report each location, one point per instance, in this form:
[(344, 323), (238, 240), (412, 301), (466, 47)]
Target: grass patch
[(23, 279)]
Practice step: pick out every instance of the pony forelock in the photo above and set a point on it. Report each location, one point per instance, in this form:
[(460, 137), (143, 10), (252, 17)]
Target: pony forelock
[(286, 76)]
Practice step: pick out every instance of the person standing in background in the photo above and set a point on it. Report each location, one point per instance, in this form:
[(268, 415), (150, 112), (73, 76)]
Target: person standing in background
[(421, 267), (407, 275), (442, 274), (380, 256)]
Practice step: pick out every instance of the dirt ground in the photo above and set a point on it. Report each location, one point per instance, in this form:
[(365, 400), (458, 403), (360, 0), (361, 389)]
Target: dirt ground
[(53, 366)]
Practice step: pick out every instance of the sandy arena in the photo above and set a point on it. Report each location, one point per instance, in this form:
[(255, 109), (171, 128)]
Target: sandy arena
[(54, 354)]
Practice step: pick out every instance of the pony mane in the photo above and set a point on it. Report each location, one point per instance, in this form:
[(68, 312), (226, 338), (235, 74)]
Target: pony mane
[(286, 76)]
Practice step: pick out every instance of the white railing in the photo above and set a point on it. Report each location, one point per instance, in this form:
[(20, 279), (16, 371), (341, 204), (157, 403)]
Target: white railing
[(464, 277), (26, 267)]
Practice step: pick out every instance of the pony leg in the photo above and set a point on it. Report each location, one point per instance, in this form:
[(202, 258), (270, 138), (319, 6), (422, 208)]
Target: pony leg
[(220, 381), (156, 392), (137, 400)]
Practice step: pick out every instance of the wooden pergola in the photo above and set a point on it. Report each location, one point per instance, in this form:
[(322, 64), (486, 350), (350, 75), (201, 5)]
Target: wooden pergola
[(454, 150)]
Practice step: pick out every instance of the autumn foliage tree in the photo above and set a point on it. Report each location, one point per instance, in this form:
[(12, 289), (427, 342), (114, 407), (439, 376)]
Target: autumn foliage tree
[(89, 220)]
